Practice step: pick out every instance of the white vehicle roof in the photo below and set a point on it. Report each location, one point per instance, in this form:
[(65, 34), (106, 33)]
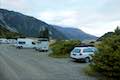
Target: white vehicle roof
[(82, 47), (95, 49), (20, 39)]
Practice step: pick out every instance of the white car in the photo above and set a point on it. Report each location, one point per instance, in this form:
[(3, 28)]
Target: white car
[(83, 53)]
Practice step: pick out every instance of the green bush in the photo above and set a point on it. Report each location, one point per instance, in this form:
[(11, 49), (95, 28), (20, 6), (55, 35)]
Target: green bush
[(107, 60), (62, 48)]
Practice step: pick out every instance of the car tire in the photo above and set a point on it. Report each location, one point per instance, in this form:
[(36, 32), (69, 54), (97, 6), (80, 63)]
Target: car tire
[(87, 60), (20, 47)]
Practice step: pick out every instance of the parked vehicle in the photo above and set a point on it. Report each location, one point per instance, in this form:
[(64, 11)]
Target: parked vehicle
[(25, 43), (3, 41), (42, 45), (12, 41), (83, 53)]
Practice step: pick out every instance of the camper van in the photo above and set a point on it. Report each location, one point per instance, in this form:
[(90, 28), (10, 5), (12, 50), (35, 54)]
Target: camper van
[(42, 45), (3, 41), (12, 41), (25, 43)]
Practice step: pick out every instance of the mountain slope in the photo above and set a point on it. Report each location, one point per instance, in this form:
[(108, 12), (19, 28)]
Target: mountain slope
[(30, 26), (5, 33), (74, 33)]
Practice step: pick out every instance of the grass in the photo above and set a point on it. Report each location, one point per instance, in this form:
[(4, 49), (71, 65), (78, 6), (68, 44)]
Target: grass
[(89, 71)]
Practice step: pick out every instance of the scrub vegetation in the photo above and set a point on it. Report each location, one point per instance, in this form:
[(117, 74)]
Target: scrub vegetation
[(106, 61), (62, 49), (4, 33)]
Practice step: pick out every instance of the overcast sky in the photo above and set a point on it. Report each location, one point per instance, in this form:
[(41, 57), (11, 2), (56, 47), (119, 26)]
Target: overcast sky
[(92, 16)]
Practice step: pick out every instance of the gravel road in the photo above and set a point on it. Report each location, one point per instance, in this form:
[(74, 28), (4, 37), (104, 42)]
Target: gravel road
[(28, 64)]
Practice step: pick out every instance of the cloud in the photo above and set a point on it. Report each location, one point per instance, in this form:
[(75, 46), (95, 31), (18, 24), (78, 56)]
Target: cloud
[(16, 5), (59, 17), (99, 29), (93, 23), (92, 16)]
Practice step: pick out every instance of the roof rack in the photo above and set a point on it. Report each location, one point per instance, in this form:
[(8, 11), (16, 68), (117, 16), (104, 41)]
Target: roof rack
[(84, 45)]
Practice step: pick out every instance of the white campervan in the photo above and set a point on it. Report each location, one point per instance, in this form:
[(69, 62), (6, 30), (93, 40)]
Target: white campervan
[(3, 41), (42, 45), (25, 43)]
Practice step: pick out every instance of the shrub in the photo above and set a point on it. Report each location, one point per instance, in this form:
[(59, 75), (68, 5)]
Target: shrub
[(107, 60), (62, 48)]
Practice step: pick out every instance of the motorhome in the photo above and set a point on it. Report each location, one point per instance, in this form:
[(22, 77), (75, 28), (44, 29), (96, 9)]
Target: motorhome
[(25, 43), (40, 44)]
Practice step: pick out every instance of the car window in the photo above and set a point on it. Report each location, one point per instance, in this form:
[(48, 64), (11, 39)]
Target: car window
[(77, 50), (87, 50)]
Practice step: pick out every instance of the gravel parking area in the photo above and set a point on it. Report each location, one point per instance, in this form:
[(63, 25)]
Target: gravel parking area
[(28, 64)]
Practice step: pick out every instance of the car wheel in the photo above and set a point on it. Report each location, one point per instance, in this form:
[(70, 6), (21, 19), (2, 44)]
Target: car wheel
[(87, 59)]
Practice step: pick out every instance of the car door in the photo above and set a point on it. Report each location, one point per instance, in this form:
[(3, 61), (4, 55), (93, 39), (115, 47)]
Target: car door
[(76, 52), (88, 52)]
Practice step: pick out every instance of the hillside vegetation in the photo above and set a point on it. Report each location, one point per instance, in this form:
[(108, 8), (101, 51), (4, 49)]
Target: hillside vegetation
[(109, 34), (5, 33)]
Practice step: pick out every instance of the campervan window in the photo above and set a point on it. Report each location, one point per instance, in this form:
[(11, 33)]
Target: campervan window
[(43, 40), (21, 42)]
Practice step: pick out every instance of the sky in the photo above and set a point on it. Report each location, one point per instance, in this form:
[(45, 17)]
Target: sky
[(95, 17)]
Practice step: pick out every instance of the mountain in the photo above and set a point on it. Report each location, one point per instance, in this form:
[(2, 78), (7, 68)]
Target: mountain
[(74, 33), (31, 27)]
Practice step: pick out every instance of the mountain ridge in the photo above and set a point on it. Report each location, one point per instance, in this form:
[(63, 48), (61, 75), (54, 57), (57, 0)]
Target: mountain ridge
[(31, 26)]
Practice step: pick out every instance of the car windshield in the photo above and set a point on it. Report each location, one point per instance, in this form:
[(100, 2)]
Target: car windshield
[(94, 49), (76, 50)]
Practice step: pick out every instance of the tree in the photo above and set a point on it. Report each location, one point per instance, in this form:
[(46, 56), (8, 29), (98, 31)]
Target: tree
[(44, 33), (117, 31), (62, 48)]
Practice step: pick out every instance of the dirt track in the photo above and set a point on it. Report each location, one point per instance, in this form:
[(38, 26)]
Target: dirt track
[(28, 64)]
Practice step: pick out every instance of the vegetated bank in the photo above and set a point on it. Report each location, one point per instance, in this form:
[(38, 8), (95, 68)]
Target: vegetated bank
[(106, 61), (62, 48)]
